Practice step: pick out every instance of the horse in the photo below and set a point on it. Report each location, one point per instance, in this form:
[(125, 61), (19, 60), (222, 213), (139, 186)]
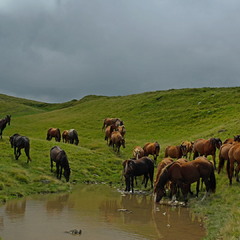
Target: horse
[(138, 152), (3, 123), (223, 155), (152, 149), (54, 132), (232, 140), (59, 156), (117, 141), (122, 130), (111, 121), (184, 174), (73, 136), (142, 166), (176, 151), (160, 167), (108, 132), (65, 137), (189, 147), (203, 147), (233, 156), (18, 142)]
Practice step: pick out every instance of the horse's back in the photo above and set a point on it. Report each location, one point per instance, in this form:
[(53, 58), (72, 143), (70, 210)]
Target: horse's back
[(54, 152)]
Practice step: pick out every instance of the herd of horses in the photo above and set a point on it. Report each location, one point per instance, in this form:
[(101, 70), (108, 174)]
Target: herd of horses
[(175, 171)]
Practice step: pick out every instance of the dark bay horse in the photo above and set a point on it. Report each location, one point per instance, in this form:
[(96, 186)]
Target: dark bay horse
[(18, 142), (184, 174), (73, 136), (3, 123), (54, 132), (152, 149), (59, 156), (132, 168), (203, 147)]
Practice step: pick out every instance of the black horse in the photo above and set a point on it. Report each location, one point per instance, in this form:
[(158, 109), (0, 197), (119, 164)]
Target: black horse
[(18, 142), (132, 168), (3, 123), (73, 136), (60, 157)]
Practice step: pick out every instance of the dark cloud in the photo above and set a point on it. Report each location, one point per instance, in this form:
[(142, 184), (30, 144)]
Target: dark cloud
[(59, 50)]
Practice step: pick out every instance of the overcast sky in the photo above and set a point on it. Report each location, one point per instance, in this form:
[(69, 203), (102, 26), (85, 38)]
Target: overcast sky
[(59, 50)]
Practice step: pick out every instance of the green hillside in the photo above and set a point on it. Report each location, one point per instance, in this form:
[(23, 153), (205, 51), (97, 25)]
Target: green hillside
[(168, 117)]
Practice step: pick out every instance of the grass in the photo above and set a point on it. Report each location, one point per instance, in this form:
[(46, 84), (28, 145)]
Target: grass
[(168, 117)]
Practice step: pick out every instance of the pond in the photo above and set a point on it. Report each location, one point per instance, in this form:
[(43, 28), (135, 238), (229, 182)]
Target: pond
[(100, 212)]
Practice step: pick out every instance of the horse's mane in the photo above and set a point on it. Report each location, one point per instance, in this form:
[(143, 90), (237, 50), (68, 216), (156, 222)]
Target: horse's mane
[(163, 177)]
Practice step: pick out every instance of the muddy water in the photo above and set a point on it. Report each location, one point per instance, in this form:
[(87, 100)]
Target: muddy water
[(101, 213)]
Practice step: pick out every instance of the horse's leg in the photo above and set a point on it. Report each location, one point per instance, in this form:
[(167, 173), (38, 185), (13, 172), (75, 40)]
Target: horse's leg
[(146, 180), (60, 172), (15, 153), (57, 167), (214, 161), (51, 164), (27, 154), (132, 183), (18, 153), (236, 172), (231, 170)]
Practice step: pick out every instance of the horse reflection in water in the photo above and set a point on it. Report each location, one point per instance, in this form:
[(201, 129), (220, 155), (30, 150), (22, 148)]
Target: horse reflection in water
[(16, 208)]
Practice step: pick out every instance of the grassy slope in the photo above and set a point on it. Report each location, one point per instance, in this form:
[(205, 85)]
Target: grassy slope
[(168, 117)]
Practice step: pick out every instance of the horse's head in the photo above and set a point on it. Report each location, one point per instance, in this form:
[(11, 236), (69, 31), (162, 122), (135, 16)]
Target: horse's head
[(159, 193), (183, 148), (237, 138), (218, 142), (67, 173), (8, 119)]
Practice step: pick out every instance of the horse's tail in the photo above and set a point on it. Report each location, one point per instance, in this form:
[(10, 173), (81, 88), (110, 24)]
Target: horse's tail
[(27, 149), (212, 180), (221, 163)]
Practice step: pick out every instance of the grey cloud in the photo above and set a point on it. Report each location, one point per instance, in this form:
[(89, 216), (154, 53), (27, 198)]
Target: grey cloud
[(60, 50)]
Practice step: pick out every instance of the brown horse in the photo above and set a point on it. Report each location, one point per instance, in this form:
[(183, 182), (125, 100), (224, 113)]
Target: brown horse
[(152, 149), (112, 121), (160, 167), (108, 132), (3, 123), (186, 173), (138, 152), (65, 137), (176, 151), (189, 147), (203, 147), (54, 132), (232, 140), (122, 130), (223, 155), (117, 141), (132, 168), (234, 156)]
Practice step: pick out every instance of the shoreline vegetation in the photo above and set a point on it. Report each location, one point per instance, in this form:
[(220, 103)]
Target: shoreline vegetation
[(168, 117)]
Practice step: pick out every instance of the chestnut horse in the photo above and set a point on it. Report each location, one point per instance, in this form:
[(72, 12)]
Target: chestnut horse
[(117, 141), (176, 151), (233, 140), (234, 156), (59, 156), (189, 147), (183, 174), (142, 166), (152, 149), (223, 155), (54, 132), (138, 152), (203, 147), (65, 137), (3, 123)]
